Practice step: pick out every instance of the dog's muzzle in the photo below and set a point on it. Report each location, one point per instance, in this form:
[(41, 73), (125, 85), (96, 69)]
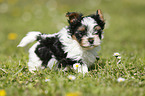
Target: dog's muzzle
[(90, 42)]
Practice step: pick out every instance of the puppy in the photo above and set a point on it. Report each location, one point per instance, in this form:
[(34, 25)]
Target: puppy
[(76, 44)]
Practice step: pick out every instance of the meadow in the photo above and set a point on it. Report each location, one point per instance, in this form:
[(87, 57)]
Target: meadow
[(124, 33)]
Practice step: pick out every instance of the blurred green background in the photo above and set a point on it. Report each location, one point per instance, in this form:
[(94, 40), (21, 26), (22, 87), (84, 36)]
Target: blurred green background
[(124, 31)]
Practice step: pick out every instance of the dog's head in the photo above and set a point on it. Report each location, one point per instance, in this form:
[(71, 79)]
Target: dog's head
[(87, 30)]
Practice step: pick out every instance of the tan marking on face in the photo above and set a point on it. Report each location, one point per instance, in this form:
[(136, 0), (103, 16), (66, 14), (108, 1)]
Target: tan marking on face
[(74, 37), (82, 28), (84, 41), (97, 28)]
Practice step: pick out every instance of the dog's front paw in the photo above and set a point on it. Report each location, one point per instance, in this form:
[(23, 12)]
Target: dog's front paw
[(80, 68)]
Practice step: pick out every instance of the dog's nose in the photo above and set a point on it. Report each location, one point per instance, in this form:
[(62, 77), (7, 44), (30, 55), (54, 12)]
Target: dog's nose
[(91, 40)]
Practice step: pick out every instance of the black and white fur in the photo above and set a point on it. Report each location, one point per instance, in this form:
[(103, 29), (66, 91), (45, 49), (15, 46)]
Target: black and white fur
[(77, 43)]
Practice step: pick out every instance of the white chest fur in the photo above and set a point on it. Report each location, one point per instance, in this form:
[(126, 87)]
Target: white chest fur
[(74, 50)]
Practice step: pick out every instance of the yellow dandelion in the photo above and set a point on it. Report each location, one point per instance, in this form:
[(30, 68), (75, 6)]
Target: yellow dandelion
[(12, 36), (74, 94), (2, 92)]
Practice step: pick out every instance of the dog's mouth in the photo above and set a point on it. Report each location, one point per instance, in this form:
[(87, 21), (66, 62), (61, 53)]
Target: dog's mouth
[(90, 43), (89, 47)]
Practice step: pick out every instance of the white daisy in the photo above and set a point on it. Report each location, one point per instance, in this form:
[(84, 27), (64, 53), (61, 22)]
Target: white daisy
[(132, 77), (119, 57), (76, 66), (47, 80), (116, 54), (135, 73), (71, 77), (120, 79)]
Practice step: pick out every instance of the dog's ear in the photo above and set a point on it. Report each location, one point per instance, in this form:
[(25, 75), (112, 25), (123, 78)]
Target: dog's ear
[(100, 15), (100, 18), (74, 17)]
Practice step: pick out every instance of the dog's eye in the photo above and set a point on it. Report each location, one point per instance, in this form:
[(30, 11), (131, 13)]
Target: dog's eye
[(98, 32), (79, 34), (97, 29)]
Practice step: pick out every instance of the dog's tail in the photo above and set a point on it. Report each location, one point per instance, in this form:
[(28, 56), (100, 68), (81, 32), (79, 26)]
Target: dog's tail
[(30, 37)]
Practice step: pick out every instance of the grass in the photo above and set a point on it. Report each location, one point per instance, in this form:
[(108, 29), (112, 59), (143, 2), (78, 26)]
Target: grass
[(124, 33)]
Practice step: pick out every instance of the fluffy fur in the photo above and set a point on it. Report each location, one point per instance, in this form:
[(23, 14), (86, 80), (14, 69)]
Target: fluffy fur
[(77, 43)]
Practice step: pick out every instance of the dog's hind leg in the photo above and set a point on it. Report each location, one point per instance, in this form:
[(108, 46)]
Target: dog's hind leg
[(52, 62), (83, 69), (34, 61)]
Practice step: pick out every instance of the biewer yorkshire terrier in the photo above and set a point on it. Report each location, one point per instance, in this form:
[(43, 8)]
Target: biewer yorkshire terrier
[(76, 44)]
